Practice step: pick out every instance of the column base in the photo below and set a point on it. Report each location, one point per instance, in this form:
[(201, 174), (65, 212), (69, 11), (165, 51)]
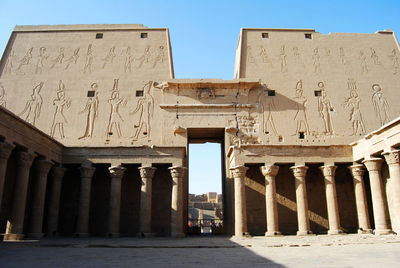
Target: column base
[(275, 233), (35, 235), (364, 231), (113, 235), (13, 237), (81, 235), (382, 231), (304, 233), (177, 235), (335, 232), (141, 234), (244, 234)]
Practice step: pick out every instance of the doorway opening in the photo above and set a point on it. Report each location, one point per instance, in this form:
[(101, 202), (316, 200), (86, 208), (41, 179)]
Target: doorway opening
[(206, 181)]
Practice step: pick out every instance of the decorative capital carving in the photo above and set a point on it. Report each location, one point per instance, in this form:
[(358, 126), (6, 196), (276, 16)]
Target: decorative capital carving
[(177, 172), (25, 159), (373, 164), (392, 157), (328, 170), (58, 172), (269, 170), (299, 171), (117, 172), (6, 149), (147, 172), (43, 167), (87, 172), (239, 171), (357, 170)]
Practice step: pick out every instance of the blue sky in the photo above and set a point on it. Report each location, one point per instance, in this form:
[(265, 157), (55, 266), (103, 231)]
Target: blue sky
[(204, 33)]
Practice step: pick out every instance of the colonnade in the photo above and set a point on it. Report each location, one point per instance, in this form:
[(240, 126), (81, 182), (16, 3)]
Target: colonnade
[(379, 205)]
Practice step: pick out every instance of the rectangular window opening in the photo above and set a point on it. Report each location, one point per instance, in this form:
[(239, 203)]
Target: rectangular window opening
[(264, 35), (90, 93), (143, 35), (271, 93), (139, 93), (99, 36), (317, 93), (307, 36), (301, 135)]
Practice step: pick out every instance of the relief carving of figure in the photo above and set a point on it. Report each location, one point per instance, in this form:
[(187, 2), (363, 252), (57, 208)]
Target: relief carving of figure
[(109, 57), (92, 109), (128, 60), (73, 59), (2, 94), (264, 56), (363, 62), (250, 57), (301, 115), (59, 119), (145, 109), (115, 118), (355, 113), (10, 63), (316, 61), (297, 57), (160, 56), (33, 106), (325, 109), (375, 57), (342, 56), (396, 61), (145, 58), (59, 59), (268, 105), (380, 103), (41, 60), (282, 55), (89, 60), (25, 61)]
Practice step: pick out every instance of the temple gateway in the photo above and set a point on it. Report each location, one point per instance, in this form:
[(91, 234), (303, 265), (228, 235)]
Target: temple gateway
[(94, 133)]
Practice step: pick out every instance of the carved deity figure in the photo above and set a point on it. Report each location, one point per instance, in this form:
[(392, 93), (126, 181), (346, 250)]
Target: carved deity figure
[(109, 57), (41, 60), (363, 62), (145, 109), (268, 106), (250, 56), (145, 58), (128, 60), (2, 94), (301, 115), (375, 57), (115, 118), (380, 103), (264, 56), (282, 55), (33, 106), (342, 56), (325, 110), (396, 61), (59, 59), (316, 61), (89, 60), (355, 113), (25, 61), (10, 63), (59, 119), (73, 59), (92, 109), (297, 57), (160, 56)]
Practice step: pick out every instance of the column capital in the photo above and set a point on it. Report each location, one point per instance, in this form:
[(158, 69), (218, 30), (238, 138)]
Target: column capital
[(87, 172), (43, 166), (299, 171), (328, 170), (392, 157), (177, 172), (117, 172), (239, 171), (373, 164), (147, 172), (269, 170), (357, 170), (6, 149), (58, 172), (26, 158)]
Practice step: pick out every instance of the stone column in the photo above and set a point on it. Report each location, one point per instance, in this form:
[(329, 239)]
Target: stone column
[(116, 173), (5, 152), (378, 198), (39, 195), (177, 224), (54, 200), (364, 226), (393, 160), (15, 224), (331, 199), (146, 173), (299, 172), (82, 226), (239, 174), (269, 172)]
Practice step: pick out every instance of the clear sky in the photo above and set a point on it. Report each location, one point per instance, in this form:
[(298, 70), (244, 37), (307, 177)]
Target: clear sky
[(204, 33)]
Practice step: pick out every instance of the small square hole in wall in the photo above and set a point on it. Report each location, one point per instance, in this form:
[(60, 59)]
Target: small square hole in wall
[(317, 93), (307, 36), (280, 139), (90, 93), (143, 35), (139, 93), (271, 93), (264, 35), (301, 135), (99, 36)]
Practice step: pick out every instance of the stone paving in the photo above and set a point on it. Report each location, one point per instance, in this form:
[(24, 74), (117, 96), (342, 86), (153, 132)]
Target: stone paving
[(286, 251)]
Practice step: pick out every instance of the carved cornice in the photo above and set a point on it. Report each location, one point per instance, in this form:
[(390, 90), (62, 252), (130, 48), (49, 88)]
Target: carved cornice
[(373, 164), (269, 170), (117, 172), (357, 170), (299, 172), (239, 172), (392, 157), (177, 172), (6, 149), (147, 172)]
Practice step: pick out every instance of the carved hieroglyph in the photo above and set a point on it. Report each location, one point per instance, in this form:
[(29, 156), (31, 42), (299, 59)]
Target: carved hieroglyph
[(380, 103), (24, 61), (33, 106), (92, 110), (115, 118), (301, 115), (325, 110), (145, 110), (353, 102), (247, 132), (59, 119), (2, 94)]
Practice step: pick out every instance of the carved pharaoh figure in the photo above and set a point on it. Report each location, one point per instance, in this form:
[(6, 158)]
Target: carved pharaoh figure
[(375, 57), (145, 58), (396, 61), (109, 57), (268, 106), (316, 61), (59, 59), (250, 57), (25, 61), (145, 109), (115, 118), (380, 103), (2, 94), (363, 62), (41, 60), (89, 60), (301, 116), (73, 59), (355, 113), (128, 60), (282, 55), (325, 109), (264, 56), (33, 106), (297, 57), (61, 102), (91, 107), (160, 56), (10, 63)]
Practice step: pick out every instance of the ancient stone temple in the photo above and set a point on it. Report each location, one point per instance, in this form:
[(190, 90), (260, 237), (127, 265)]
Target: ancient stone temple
[(94, 133)]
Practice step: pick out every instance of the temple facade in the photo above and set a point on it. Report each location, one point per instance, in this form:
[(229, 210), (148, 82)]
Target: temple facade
[(94, 133)]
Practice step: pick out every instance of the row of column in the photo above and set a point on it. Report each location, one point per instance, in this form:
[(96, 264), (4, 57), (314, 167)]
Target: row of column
[(373, 166)]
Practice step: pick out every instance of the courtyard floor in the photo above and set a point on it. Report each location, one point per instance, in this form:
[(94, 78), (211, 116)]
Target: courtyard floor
[(286, 251)]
